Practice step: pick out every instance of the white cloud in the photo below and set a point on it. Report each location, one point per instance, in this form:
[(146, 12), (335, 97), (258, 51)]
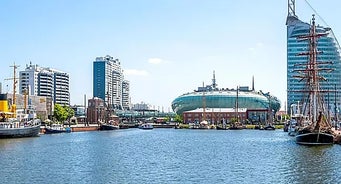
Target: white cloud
[(155, 61), (251, 49), (260, 44), (256, 48), (135, 72)]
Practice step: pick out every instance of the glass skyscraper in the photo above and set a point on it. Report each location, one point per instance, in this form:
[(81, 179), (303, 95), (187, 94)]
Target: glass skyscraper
[(108, 82), (329, 52)]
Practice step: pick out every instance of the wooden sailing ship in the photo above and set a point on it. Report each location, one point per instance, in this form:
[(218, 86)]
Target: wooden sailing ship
[(236, 124), (316, 128)]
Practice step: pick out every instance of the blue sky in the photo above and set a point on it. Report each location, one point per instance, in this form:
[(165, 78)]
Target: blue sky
[(166, 47)]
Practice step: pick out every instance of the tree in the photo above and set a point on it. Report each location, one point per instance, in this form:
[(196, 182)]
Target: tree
[(60, 114), (70, 112), (178, 118)]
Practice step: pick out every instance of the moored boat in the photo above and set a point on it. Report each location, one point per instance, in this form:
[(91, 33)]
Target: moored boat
[(316, 128), (16, 129), (236, 126), (146, 126), (57, 128), (292, 131), (13, 126), (111, 125), (221, 127), (314, 138), (269, 127)]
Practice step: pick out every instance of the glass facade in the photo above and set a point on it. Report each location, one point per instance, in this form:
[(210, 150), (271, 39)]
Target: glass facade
[(107, 81), (224, 99), (329, 52)]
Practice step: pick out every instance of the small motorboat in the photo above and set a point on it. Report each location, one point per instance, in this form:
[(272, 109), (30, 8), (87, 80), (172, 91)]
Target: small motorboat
[(146, 126)]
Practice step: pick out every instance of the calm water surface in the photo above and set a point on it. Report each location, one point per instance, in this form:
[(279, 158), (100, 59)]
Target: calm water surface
[(167, 156)]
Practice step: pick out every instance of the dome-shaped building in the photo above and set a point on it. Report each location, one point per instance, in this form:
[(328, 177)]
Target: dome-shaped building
[(212, 97)]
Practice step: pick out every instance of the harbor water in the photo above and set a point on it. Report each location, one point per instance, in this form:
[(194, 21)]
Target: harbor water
[(167, 156)]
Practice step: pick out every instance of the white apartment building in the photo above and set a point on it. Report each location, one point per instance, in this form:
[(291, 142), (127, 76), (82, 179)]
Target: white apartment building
[(41, 81)]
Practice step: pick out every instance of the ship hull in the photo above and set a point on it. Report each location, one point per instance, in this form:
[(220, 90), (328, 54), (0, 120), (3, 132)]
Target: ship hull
[(315, 139), (53, 131), (108, 127), (32, 131)]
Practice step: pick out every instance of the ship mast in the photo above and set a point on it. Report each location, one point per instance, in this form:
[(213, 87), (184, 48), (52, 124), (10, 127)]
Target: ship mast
[(204, 103), (311, 71), (14, 79), (237, 105)]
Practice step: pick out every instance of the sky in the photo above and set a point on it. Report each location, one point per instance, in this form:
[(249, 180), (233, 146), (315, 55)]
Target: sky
[(166, 47)]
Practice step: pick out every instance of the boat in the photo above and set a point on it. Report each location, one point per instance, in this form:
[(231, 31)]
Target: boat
[(316, 129), (204, 125), (146, 126), (293, 123), (269, 127), (16, 129), (111, 125), (222, 126), (111, 120), (286, 126), (13, 126), (236, 125), (57, 128), (292, 131)]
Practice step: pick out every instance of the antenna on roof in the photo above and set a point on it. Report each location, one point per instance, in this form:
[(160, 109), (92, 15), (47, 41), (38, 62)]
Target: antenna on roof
[(214, 84), (291, 8), (291, 11), (253, 83)]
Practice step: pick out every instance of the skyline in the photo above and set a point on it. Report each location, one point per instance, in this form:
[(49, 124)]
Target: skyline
[(166, 48)]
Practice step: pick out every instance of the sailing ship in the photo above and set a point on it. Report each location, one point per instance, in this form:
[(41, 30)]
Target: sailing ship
[(269, 125), (236, 125), (204, 124), (316, 128), (13, 126), (111, 121)]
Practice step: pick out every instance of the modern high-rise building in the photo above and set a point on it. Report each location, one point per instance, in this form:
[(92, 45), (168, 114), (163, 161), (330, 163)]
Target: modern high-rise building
[(125, 95), (40, 81), (329, 52), (108, 81)]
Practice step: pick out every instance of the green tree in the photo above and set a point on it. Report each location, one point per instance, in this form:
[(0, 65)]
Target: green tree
[(70, 112), (60, 114), (178, 118)]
